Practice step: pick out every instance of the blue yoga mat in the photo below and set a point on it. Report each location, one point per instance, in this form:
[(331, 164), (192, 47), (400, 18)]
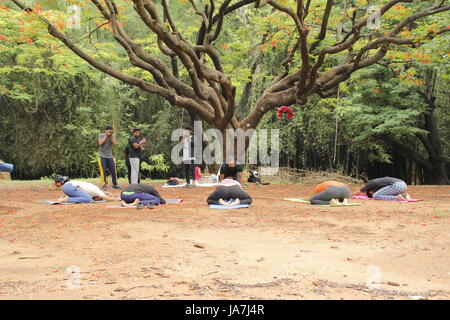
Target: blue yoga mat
[(6, 167), (218, 206)]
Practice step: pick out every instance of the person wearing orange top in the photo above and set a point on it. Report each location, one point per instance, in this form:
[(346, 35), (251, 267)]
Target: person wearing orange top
[(330, 192)]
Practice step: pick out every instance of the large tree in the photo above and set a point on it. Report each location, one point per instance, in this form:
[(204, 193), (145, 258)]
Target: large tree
[(322, 51)]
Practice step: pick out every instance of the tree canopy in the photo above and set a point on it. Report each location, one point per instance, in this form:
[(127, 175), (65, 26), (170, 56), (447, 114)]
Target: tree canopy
[(183, 53)]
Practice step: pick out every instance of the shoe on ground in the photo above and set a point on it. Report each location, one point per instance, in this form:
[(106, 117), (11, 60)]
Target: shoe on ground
[(140, 206), (150, 206), (116, 187), (104, 188)]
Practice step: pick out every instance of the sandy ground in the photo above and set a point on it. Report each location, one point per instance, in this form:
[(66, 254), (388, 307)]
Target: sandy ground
[(274, 250)]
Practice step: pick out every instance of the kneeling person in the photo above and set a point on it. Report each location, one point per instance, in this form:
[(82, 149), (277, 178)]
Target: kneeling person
[(386, 188), (229, 193), (140, 193), (80, 191), (330, 192)]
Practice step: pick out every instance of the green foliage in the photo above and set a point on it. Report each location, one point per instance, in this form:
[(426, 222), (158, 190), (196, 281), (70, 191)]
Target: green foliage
[(157, 164)]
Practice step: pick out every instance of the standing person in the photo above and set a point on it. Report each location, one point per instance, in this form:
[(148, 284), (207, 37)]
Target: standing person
[(188, 157), (106, 141), (386, 188), (135, 154), (126, 153)]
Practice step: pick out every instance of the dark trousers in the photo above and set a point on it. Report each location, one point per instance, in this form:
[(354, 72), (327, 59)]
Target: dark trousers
[(332, 192), (189, 170), (108, 163), (228, 193)]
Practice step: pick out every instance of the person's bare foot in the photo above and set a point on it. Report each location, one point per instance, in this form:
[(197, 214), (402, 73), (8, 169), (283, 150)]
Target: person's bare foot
[(222, 202), (407, 196), (335, 202), (345, 202), (235, 202), (400, 198)]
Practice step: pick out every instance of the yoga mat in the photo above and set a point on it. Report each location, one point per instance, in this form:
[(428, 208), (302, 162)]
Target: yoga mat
[(297, 200), (206, 184), (56, 202), (173, 201), (367, 198), (323, 205), (168, 201), (218, 206)]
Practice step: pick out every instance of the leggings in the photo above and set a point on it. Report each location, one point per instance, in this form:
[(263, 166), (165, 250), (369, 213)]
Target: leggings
[(228, 193), (108, 163), (145, 198), (391, 191), (76, 194), (332, 192)]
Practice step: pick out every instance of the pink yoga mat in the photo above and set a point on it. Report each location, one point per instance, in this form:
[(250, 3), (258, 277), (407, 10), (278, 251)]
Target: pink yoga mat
[(367, 198)]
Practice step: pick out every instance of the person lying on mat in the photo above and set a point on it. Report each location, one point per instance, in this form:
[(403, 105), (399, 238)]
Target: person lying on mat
[(330, 192), (137, 193), (80, 191), (229, 193), (386, 188), (6, 167)]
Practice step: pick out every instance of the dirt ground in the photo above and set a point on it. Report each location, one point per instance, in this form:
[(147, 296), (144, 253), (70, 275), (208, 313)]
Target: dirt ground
[(273, 250)]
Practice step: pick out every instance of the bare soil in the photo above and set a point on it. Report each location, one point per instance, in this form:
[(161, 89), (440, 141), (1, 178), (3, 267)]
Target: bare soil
[(275, 249)]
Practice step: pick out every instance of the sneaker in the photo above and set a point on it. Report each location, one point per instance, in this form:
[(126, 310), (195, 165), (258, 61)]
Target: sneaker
[(140, 206), (150, 206), (116, 187), (104, 188)]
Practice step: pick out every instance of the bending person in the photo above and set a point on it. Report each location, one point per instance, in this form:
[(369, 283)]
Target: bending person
[(229, 193), (330, 192), (140, 193), (6, 167), (80, 191), (386, 188)]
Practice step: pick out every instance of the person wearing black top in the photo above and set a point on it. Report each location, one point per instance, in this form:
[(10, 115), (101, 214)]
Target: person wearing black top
[(231, 170), (386, 188), (135, 154), (141, 193)]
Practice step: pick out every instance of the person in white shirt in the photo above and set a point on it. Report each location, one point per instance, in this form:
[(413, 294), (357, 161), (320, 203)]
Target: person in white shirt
[(80, 191)]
